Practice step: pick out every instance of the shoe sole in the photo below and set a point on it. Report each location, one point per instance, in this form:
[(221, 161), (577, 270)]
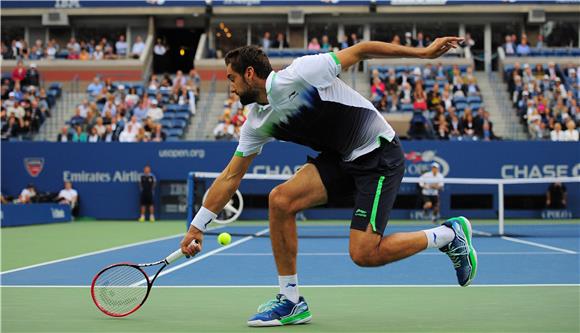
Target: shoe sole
[(304, 318), (466, 227)]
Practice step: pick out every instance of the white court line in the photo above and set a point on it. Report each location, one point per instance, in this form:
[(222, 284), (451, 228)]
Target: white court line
[(210, 253), (419, 254), (98, 252), (327, 286), (516, 240)]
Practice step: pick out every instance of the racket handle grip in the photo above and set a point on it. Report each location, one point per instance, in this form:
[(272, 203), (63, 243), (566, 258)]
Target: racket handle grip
[(177, 254)]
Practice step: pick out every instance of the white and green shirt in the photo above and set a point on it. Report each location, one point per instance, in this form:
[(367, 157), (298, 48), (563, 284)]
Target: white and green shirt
[(311, 106)]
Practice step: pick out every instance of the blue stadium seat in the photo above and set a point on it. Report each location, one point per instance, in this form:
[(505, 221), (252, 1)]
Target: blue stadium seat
[(460, 106), (473, 99), (166, 123), (171, 107), (179, 123), (475, 106), (175, 132), (168, 115), (182, 115), (172, 138), (407, 107), (459, 99)]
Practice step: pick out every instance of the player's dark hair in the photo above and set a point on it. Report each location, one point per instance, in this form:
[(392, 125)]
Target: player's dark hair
[(249, 56)]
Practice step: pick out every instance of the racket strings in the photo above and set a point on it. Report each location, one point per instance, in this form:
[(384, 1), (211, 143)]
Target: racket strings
[(120, 289)]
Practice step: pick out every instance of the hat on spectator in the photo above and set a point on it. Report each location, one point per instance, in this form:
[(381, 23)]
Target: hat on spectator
[(11, 94), (558, 79), (526, 65), (435, 165), (32, 65), (408, 34), (546, 77), (121, 87), (154, 101)]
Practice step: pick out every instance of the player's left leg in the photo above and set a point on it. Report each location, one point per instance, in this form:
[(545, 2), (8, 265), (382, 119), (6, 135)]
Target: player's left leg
[(151, 212)]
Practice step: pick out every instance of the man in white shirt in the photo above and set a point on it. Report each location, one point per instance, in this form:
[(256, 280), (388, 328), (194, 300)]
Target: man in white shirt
[(155, 112), (68, 196), (431, 183), (138, 48), (121, 46), (27, 194), (128, 134), (557, 134)]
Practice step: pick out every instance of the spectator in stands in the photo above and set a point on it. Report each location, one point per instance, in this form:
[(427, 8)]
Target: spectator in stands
[(442, 128), (12, 128), (434, 98), (523, 48), (266, 41), (419, 97), (77, 119), (69, 196), (508, 46), (159, 54), (64, 135), (109, 135), (406, 95), (19, 72), (99, 127), (28, 194), (224, 130), (142, 135), (121, 46), (95, 87), (354, 39), (155, 112), (84, 55), (556, 196), (98, 54), (419, 128), (571, 134), (420, 41), (325, 45), (32, 77), (343, 42), (128, 134), (239, 118), (158, 135), (455, 127), (540, 42), (468, 124), (11, 101), (377, 90), (557, 134), (396, 40), (280, 42), (408, 39), (552, 71), (468, 43), (79, 135), (314, 45)]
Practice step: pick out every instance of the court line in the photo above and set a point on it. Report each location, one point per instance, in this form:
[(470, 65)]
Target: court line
[(419, 254), (516, 240), (323, 286), (212, 252), (98, 252)]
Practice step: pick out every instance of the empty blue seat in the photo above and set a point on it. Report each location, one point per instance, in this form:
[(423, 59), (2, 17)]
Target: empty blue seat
[(473, 99), (475, 106), (407, 107), (460, 106), (168, 115), (175, 132), (166, 123), (172, 138), (179, 123), (182, 115), (459, 99)]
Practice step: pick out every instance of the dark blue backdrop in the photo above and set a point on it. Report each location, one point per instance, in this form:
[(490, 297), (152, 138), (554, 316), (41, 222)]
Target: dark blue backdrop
[(106, 174)]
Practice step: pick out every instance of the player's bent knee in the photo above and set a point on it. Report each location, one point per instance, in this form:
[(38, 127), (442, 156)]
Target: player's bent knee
[(279, 200), (362, 258)]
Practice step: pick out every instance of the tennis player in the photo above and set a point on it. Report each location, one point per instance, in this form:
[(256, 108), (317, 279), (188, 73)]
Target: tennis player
[(360, 159)]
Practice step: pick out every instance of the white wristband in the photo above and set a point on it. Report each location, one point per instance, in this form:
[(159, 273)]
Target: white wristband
[(203, 218)]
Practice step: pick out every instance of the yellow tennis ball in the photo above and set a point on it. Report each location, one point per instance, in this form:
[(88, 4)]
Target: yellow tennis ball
[(224, 239)]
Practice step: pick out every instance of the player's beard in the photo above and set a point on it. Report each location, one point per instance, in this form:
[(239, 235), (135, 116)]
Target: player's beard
[(249, 96)]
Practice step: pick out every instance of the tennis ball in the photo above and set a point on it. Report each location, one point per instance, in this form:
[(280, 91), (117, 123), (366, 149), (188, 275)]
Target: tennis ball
[(224, 239)]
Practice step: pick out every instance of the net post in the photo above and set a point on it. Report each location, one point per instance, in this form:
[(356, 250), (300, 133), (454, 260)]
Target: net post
[(500, 208), (190, 198)]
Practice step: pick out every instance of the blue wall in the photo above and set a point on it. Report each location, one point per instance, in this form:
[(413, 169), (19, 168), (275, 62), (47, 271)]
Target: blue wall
[(106, 174)]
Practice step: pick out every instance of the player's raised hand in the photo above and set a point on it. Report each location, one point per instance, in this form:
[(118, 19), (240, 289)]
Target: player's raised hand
[(191, 242), (440, 46)]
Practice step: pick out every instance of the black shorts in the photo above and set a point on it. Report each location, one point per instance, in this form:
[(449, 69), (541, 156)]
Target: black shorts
[(146, 198), (434, 199), (369, 183)]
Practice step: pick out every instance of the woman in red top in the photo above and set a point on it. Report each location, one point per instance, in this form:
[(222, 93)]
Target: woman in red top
[(19, 73), (419, 97)]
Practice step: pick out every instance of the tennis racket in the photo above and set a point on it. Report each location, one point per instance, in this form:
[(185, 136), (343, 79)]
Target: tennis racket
[(121, 289)]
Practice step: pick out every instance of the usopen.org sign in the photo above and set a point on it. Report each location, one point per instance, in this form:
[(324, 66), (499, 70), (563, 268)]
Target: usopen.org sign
[(419, 162)]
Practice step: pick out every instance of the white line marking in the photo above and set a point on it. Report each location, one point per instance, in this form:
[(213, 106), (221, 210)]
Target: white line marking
[(212, 252), (326, 286), (98, 252), (481, 233), (419, 254), (516, 240)]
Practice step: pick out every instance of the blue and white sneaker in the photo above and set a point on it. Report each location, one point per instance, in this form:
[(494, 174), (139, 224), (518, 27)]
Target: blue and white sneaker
[(281, 311), (461, 251)]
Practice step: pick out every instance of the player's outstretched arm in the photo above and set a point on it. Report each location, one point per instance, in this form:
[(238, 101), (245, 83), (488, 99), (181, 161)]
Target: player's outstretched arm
[(219, 194), (370, 50)]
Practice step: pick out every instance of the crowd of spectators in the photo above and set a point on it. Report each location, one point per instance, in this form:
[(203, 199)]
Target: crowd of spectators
[(90, 49), (445, 101), (134, 113), (230, 122), (546, 98), (25, 105)]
